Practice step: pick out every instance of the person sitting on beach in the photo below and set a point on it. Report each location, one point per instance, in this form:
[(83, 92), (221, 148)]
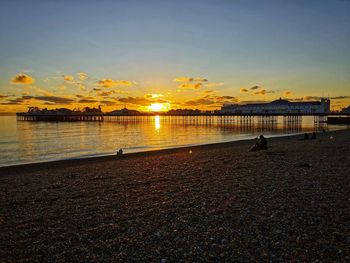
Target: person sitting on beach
[(120, 152), (313, 136), (261, 144)]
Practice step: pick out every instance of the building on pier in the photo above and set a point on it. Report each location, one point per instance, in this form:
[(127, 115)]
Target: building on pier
[(346, 110), (124, 112), (279, 106)]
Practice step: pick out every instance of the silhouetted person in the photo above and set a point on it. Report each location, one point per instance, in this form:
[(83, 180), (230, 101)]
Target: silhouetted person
[(261, 144), (306, 136), (313, 135), (120, 152)]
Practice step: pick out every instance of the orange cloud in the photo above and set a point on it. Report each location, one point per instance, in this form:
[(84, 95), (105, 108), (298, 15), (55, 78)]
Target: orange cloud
[(68, 78), (210, 100), (191, 86), (189, 79), (242, 90), (287, 93), (153, 96), (263, 92), (47, 99), (255, 87), (208, 91), (200, 80), (110, 83), (82, 76), (183, 79), (22, 78)]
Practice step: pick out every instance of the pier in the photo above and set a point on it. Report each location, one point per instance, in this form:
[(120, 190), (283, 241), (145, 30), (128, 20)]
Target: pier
[(59, 117), (224, 117)]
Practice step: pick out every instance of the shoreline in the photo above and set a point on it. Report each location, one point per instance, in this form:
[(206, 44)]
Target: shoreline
[(152, 152)]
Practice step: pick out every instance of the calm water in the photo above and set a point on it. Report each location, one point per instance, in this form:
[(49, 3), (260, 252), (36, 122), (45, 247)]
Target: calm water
[(27, 142)]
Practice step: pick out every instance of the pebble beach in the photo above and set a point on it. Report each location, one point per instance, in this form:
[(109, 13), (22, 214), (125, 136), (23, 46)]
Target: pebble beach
[(211, 203)]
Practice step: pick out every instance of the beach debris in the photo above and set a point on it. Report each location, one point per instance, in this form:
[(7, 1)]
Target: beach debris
[(120, 152), (190, 152), (331, 138)]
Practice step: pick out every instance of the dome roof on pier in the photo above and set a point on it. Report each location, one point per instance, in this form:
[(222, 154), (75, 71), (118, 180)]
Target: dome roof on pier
[(280, 101)]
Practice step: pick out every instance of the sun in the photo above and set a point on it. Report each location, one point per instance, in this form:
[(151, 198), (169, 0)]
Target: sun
[(158, 107)]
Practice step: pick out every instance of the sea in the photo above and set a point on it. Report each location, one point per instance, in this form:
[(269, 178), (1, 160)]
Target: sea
[(24, 142)]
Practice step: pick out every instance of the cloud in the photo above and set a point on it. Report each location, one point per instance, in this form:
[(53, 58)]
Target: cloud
[(3, 96), (209, 91), (210, 100), (82, 76), (195, 83), (263, 92), (190, 86), (108, 103), (221, 98), (54, 99), (317, 98), (312, 98), (22, 78), (243, 90), (200, 80), (68, 78), (105, 93), (16, 101), (87, 100), (183, 79), (50, 99), (110, 83), (340, 97), (135, 100), (199, 102), (141, 101), (287, 93), (214, 84), (255, 87), (252, 101), (154, 95), (189, 79)]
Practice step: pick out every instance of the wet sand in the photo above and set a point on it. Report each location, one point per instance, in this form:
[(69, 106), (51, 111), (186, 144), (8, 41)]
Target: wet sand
[(218, 203)]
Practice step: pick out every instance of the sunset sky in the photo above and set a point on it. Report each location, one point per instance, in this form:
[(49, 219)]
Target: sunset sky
[(179, 54)]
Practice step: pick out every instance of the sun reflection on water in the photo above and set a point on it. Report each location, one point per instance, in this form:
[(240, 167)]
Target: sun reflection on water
[(157, 122)]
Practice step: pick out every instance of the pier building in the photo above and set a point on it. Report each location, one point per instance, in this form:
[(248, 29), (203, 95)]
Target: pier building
[(280, 106)]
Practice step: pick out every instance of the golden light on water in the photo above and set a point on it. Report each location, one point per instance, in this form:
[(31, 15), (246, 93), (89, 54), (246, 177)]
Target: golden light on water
[(157, 122)]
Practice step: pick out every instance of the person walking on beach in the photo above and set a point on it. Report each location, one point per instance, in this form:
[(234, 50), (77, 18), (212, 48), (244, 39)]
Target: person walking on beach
[(261, 144)]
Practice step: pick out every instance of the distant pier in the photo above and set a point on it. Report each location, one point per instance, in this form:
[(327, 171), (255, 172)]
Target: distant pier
[(59, 117), (339, 120), (243, 118)]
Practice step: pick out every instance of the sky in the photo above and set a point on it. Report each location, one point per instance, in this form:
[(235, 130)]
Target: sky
[(162, 54)]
